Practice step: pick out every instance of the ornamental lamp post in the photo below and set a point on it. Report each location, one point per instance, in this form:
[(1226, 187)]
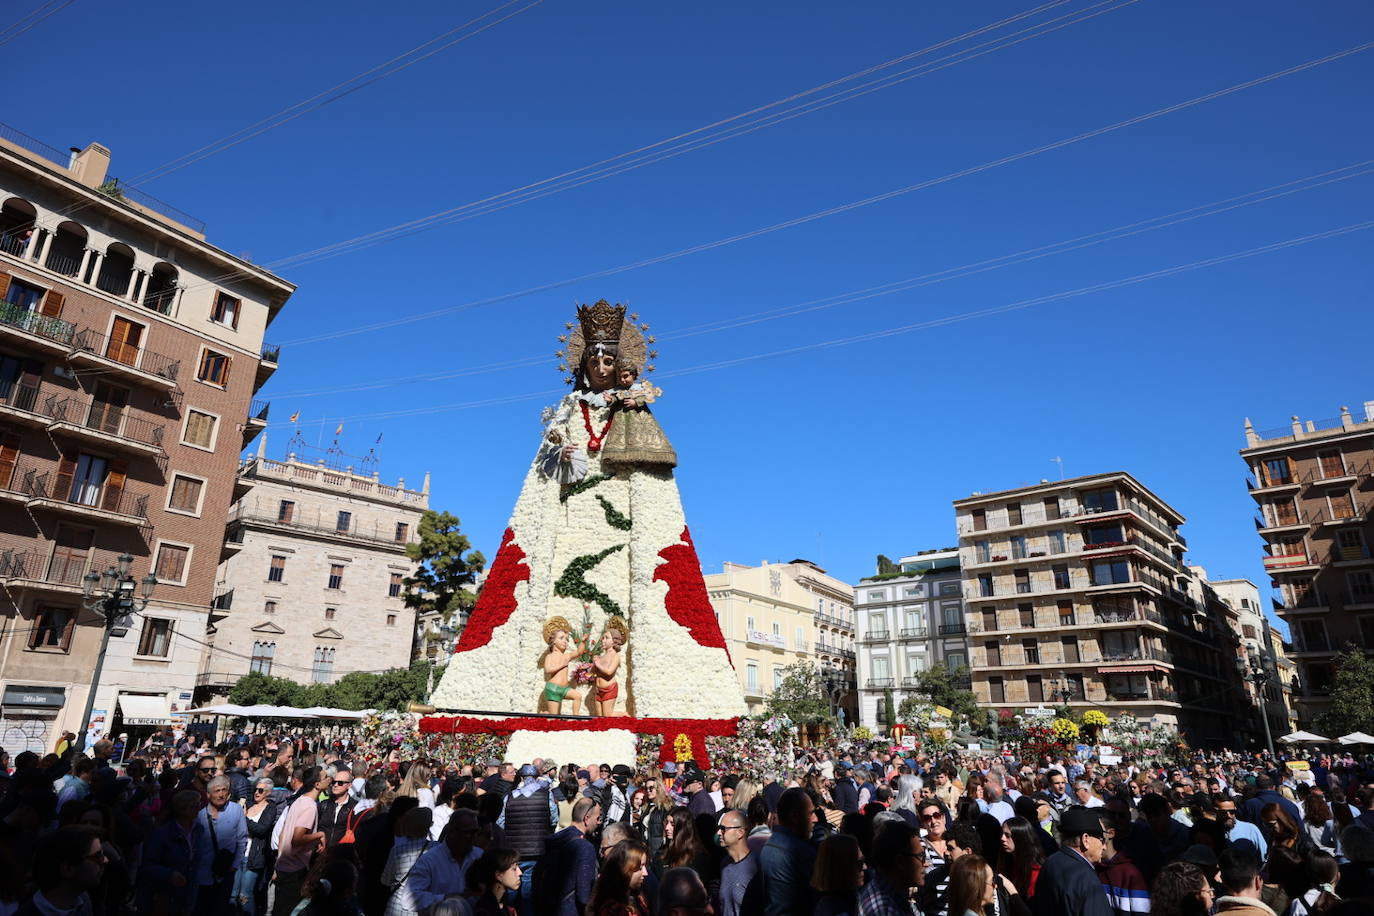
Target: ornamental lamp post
[(1255, 669), (111, 594)]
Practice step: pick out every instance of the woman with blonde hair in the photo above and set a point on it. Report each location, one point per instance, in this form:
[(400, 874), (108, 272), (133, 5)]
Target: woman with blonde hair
[(416, 785), (745, 790)]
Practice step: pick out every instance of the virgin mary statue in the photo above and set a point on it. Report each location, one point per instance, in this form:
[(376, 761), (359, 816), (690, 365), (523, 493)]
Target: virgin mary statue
[(597, 540)]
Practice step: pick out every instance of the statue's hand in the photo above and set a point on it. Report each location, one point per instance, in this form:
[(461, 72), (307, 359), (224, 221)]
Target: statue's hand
[(567, 452)]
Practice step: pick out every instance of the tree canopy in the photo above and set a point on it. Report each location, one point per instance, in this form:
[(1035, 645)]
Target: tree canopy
[(389, 690), (447, 567), (802, 695), (942, 687), (1352, 696), (886, 566)]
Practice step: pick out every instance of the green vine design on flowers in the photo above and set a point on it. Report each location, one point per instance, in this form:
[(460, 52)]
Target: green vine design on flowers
[(573, 584), (614, 517), (582, 486)]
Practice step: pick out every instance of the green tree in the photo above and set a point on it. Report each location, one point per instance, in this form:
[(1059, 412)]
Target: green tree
[(1352, 696), (945, 688), (253, 689), (447, 567), (889, 710), (801, 695), (886, 566)]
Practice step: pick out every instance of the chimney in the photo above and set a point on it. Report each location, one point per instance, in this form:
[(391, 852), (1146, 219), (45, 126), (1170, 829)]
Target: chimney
[(90, 165)]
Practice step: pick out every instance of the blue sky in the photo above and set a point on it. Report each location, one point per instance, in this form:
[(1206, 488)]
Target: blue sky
[(833, 453)]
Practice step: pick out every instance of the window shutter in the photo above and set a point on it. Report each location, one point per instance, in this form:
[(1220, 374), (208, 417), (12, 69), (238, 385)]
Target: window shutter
[(35, 631), (9, 457), (66, 470), (52, 304), (115, 479), (4, 283), (224, 374), (68, 630)]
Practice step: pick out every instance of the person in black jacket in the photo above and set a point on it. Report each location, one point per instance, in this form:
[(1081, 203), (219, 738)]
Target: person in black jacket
[(334, 811), (240, 780), (1068, 884), (529, 818), (845, 792), (260, 816)]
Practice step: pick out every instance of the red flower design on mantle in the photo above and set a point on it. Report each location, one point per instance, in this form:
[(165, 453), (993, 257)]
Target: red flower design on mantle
[(497, 602), (687, 602)]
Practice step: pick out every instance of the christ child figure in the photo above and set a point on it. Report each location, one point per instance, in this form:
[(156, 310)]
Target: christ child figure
[(606, 665), (631, 392), (558, 659)]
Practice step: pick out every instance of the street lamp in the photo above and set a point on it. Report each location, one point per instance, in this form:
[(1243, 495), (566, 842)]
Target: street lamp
[(1255, 669), (111, 594)]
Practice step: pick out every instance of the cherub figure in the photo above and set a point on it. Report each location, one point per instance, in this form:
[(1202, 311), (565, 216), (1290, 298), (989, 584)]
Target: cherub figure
[(630, 391), (606, 665), (558, 661)]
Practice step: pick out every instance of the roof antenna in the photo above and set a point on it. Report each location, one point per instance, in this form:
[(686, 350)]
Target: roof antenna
[(1059, 461)]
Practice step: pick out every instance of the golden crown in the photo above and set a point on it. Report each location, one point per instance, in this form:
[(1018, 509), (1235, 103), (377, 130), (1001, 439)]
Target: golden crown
[(601, 322)]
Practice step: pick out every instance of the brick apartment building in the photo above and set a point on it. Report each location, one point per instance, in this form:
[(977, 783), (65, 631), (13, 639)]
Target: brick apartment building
[(1076, 591), (130, 353), (1314, 483)]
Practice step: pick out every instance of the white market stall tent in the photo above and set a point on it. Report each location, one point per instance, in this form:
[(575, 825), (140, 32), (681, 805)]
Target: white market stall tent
[(1301, 737), (1356, 738), (263, 711)]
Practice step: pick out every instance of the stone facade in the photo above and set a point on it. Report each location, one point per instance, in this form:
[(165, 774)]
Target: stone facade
[(771, 617), (310, 586), (130, 352)]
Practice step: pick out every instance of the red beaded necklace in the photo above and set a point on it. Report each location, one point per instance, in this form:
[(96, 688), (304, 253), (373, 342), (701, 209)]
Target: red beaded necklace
[(593, 440)]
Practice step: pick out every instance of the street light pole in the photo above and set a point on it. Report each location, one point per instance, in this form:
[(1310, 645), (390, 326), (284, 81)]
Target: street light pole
[(111, 594), (1253, 668)]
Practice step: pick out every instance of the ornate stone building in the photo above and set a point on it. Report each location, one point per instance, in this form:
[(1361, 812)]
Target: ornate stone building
[(310, 583)]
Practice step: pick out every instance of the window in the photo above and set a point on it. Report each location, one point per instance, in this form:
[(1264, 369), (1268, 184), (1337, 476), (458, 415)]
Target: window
[(949, 588), (262, 658), (1103, 500), (777, 677), (344, 523), (391, 620), (52, 628), (1023, 582), (1332, 465), (1283, 511), (108, 404), (156, 638), (749, 624), (1312, 636), (1276, 472), (989, 620), (125, 337), (777, 629), (1026, 615), (200, 429), (171, 563), (225, 310), (1061, 575), (985, 585), (982, 552), (997, 693), (323, 669), (980, 520), (329, 613), (335, 575), (185, 494), (956, 660), (1069, 645), (24, 295), (1031, 650), (1361, 586), (1102, 535), (992, 653), (751, 676), (913, 621), (1035, 688), (269, 607), (214, 368), (1051, 508), (1013, 513), (880, 667), (877, 625), (277, 571), (393, 590), (88, 478), (1110, 572), (1066, 612), (799, 638), (1055, 541), (1342, 503), (914, 591), (402, 532)]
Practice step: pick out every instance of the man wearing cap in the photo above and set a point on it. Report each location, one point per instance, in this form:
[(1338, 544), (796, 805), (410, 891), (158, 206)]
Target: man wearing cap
[(846, 791), (1068, 884), (614, 795), (699, 801), (529, 818)]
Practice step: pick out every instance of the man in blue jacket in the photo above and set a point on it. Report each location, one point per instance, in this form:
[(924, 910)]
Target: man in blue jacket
[(1264, 794), (786, 862), (1068, 884), (846, 791), (565, 874)]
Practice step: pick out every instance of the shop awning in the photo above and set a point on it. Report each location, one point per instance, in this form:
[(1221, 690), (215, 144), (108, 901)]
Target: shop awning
[(144, 710), (1129, 669)]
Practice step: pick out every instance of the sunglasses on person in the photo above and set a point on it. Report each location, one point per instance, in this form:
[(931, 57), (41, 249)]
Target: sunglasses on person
[(260, 789), (343, 782), (209, 769)]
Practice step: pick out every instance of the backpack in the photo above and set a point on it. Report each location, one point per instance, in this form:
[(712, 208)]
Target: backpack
[(349, 823)]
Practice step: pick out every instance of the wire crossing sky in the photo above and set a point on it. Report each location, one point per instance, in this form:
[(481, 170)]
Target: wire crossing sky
[(893, 253)]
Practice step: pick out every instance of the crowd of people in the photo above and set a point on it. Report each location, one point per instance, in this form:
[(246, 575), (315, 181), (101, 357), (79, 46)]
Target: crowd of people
[(285, 824)]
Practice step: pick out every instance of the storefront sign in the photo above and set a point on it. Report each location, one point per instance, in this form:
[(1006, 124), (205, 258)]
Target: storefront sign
[(35, 697)]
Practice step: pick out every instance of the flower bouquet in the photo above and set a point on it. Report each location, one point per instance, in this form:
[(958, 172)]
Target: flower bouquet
[(582, 674)]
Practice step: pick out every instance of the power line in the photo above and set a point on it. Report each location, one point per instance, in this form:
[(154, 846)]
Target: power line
[(531, 192), (24, 23), (902, 329), (844, 208), (1307, 183)]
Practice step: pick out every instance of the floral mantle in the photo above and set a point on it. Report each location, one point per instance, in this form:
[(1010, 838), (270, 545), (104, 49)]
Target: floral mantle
[(674, 734)]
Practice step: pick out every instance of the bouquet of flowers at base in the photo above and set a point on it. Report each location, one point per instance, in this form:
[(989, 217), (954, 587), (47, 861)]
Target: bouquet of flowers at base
[(647, 750)]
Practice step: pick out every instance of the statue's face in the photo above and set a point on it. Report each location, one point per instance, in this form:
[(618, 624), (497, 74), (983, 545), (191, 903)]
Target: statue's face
[(560, 640), (600, 371), (607, 641)]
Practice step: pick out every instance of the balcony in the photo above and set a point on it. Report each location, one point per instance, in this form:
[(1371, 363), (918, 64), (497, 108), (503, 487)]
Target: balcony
[(765, 640), (1267, 485), (1290, 562), (876, 636), (107, 504), (1358, 601), (257, 420), (52, 334), (953, 629), (913, 633), (1128, 617), (271, 355), (19, 402), (376, 535), (880, 683), (89, 420), (34, 570), (120, 358)]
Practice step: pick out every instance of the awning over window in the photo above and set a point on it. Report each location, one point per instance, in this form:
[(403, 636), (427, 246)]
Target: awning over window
[(144, 710), (1130, 669)]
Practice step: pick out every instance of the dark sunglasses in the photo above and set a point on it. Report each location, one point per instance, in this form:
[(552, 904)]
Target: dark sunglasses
[(343, 782), (209, 769)]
